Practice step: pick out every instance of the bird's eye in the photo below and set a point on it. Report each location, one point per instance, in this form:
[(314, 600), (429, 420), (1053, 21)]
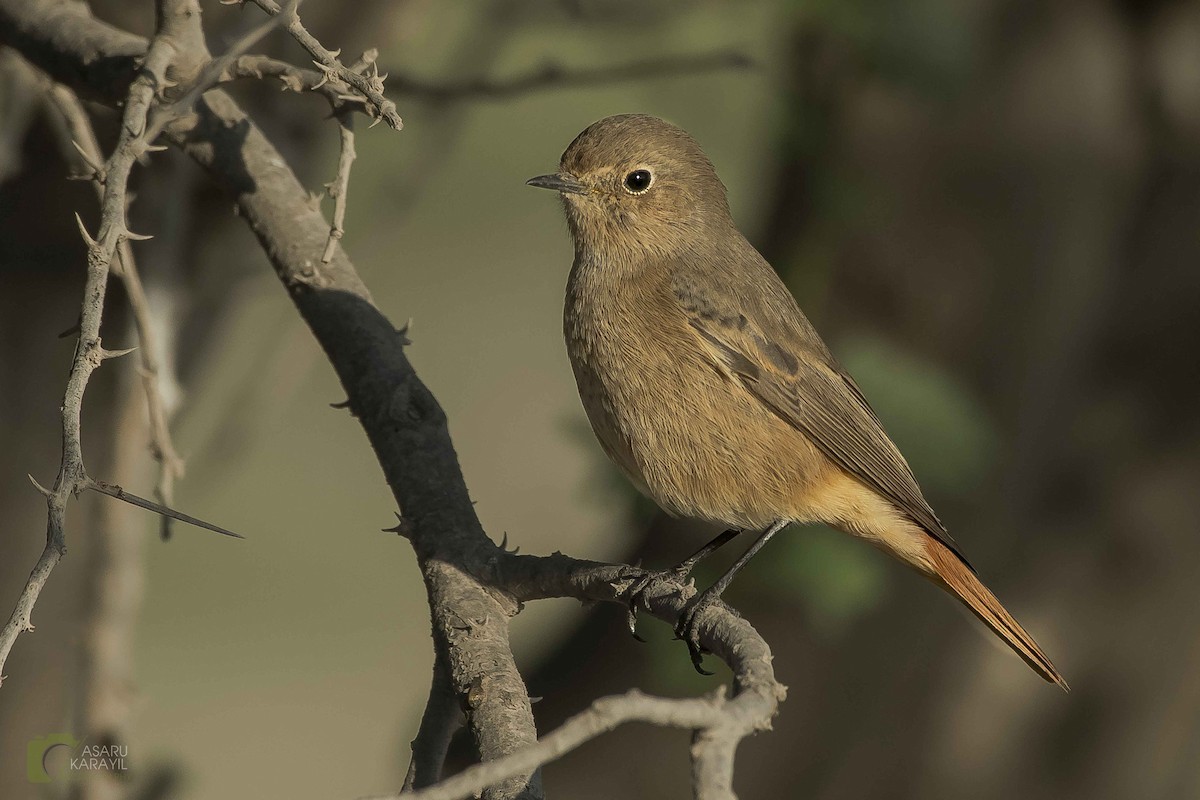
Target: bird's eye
[(638, 181)]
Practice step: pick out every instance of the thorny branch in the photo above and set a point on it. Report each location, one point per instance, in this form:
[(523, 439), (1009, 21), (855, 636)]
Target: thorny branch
[(134, 140), (89, 354), (369, 85), (548, 77), (473, 586), (338, 187), (295, 79), (83, 137)]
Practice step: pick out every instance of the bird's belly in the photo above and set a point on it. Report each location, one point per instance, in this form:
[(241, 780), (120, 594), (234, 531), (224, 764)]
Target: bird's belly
[(694, 442)]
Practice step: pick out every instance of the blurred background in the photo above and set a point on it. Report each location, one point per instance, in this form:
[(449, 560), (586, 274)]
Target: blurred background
[(989, 208)]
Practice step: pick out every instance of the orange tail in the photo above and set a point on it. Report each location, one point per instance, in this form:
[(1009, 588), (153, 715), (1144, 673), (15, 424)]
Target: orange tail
[(949, 571)]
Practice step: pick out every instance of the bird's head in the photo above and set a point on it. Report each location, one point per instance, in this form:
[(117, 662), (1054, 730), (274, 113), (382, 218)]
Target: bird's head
[(636, 183)]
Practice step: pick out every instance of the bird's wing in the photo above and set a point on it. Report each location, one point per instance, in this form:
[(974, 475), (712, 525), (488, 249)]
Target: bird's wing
[(806, 388)]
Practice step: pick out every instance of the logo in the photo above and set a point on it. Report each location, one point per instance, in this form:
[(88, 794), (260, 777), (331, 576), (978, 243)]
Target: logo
[(46, 756)]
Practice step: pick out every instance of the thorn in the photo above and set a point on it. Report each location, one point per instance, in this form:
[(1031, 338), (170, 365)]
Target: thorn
[(403, 332), (87, 237), (535, 700), (324, 80), (504, 545), (71, 331), (335, 53), (154, 148), (137, 237), (376, 122), (107, 354), (44, 491), (403, 527), (96, 168), (344, 404), (112, 490)]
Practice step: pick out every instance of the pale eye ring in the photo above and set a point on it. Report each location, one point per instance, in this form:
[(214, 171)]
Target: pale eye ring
[(638, 181)]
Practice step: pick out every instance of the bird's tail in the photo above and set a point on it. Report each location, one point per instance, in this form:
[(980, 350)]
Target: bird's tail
[(948, 571)]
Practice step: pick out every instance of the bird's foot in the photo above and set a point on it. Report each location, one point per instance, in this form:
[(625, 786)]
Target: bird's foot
[(687, 628), (636, 593)]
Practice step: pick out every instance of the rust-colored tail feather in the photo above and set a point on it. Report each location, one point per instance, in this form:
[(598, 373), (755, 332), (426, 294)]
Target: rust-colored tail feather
[(949, 571)]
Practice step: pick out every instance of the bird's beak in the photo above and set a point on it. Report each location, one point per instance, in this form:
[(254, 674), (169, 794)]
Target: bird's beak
[(558, 182)]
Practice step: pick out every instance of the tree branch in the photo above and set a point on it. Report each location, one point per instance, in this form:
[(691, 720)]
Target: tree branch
[(89, 354), (80, 133), (719, 724), (441, 719), (549, 77), (177, 21), (369, 86), (339, 186), (296, 79), (556, 76)]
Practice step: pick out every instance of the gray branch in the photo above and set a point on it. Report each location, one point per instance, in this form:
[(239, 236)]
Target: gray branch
[(84, 147), (442, 718), (89, 354)]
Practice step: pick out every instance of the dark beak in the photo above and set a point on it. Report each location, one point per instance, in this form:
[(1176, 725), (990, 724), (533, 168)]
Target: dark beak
[(558, 182)]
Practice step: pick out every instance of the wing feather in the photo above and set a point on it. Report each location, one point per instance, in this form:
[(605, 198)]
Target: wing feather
[(812, 394)]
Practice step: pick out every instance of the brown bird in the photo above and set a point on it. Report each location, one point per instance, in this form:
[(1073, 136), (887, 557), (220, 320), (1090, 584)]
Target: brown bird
[(708, 386)]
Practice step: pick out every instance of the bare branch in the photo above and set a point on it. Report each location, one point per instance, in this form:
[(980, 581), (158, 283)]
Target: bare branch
[(441, 719), (89, 354), (556, 76), (83, 138), (546, 78), (295, 79), (604, 715), (370, 87), (210, 75), (339, 186)]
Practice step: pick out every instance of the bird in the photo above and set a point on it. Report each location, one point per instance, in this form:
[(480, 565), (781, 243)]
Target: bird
[(710, 389)]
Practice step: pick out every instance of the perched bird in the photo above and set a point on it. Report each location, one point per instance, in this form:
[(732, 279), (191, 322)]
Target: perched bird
[(708, 386)]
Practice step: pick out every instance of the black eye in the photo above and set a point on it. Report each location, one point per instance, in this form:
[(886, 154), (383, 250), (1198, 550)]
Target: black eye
[(638, 181)]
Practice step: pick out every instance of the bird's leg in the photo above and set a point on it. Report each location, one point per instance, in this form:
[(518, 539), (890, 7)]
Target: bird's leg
[(685, 567), (686, 627), (679, 573)]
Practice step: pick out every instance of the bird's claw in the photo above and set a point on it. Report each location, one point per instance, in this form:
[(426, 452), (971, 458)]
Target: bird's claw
[(687, 630), (637, 592), (635, 595)]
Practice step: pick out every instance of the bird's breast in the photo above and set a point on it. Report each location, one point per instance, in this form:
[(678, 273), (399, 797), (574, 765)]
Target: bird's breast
[(664, 412)]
